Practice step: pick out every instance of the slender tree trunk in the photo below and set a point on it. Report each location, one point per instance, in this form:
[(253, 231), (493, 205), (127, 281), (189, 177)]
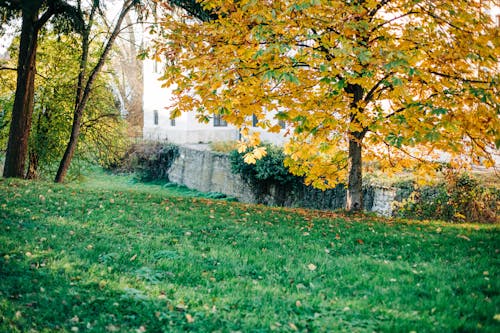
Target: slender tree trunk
[(355, 180), (83, 96), (72, 144), (17, 147)]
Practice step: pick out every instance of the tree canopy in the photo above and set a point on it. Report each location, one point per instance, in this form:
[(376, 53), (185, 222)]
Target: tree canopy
[(393, 83)]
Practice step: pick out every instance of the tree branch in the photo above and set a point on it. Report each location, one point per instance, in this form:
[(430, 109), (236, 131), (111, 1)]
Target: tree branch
[(370, 94), (453, 77)]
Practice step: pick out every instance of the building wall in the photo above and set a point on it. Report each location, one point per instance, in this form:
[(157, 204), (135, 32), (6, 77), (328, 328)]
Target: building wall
[(187, 128)]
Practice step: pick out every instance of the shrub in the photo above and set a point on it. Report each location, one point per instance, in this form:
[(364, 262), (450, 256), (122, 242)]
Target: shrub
[(150, 161), (459, 198), (267, 174)]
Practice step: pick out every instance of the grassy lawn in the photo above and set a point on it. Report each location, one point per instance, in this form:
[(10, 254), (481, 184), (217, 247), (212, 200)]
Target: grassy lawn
[(107, 255)]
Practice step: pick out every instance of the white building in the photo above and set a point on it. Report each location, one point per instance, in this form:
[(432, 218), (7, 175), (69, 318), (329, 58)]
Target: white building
[(185, 129)]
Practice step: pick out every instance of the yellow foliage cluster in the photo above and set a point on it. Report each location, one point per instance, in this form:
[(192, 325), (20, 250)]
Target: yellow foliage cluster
[(408, 80)]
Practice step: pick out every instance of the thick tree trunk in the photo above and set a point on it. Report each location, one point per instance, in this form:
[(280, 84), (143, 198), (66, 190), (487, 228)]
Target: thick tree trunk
[(17, 147), (355, 181)]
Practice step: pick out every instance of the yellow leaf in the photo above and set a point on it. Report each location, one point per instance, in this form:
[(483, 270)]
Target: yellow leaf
[(259, 152), (249, 158), (189, 318)]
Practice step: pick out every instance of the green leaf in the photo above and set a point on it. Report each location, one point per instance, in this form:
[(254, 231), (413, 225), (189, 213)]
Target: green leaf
[(269, 75), (395, 140), (290, 77), (396, 81), (439, 111)]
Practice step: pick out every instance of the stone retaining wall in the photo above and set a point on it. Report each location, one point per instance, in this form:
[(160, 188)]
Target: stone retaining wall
[(209, 171)]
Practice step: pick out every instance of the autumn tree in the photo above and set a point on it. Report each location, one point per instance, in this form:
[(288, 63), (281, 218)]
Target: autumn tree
[(34, 15), (128, 77), (392, 84)]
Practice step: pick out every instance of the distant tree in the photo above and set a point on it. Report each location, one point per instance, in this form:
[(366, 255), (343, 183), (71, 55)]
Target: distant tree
[(128, 77), (392, 83), (34, 15)]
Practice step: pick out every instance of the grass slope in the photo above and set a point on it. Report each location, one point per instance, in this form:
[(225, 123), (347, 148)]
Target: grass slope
[(111, 256)]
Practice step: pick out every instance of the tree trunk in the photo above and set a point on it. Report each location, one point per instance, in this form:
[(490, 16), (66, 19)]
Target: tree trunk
[(17, 147), (72, 144), (354, 202), (355, 181), (32, 172), (84, 95)]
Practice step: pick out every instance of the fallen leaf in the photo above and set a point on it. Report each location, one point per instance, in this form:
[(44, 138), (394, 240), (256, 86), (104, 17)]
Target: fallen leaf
[(189, 318), (293, 327), (360, 241), (112, 328), (312, 267), (133, 257), (464, 237)]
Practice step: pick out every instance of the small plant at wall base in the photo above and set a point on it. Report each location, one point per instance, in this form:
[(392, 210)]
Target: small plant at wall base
[(266, 173), (150, 161), (459, 198)]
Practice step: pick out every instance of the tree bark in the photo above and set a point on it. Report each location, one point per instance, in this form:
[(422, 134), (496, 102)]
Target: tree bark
[(83, 96), (17, 146), (32, 172), (355, 180), (354, 202)]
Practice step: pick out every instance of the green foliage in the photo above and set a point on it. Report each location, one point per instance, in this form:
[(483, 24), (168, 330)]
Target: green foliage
[(110, 255), (459, 198), (102, 137), (267, 174), (269, 169), (149, 160)]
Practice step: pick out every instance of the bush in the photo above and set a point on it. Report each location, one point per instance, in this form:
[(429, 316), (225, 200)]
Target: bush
[(460, 198), (150, 161), (267, 174)]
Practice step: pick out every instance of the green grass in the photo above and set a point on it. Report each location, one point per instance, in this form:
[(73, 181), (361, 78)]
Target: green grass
[(110, 255)]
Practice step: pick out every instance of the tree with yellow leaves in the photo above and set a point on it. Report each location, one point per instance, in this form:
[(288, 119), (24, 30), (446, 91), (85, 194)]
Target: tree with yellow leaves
[(392, 83)]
